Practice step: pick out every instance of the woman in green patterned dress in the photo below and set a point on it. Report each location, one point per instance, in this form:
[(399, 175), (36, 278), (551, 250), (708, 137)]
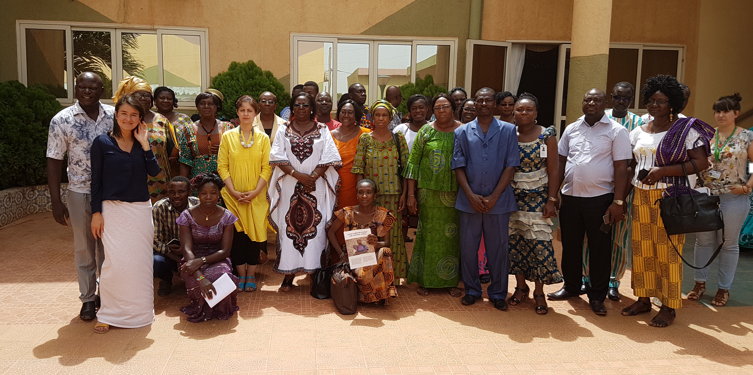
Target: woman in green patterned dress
[(436, 256), (199, 142), (378, 159), (535, 185)]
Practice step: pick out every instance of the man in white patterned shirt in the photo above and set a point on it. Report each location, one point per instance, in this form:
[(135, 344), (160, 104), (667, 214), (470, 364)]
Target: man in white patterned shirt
[(167, 250), (72, 131)]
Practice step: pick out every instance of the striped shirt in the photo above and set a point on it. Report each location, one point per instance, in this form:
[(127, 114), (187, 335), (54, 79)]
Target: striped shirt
[(166, 229), (630, 122)]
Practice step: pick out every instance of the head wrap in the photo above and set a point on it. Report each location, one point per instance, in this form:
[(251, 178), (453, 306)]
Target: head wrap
[(216, 93), (129, 85), (382, 104)]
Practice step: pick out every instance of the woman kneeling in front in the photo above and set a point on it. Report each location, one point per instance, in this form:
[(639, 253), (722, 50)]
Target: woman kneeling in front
[(206, 235), (375, 283)]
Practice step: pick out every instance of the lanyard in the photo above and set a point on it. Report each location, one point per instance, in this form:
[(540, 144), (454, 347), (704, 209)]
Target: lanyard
[(716, 152)]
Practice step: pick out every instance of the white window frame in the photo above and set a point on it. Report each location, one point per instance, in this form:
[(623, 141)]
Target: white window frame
[(116, 32), (373, 41)]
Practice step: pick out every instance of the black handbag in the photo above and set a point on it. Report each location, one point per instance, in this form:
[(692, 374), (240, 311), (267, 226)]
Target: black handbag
[(691, 213), (320, 283)]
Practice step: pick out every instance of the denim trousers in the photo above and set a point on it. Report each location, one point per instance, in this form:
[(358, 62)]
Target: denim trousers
[(734, 211)]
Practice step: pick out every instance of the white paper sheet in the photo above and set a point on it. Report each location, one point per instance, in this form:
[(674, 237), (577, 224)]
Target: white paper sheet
[(224, 286), (360, 253)]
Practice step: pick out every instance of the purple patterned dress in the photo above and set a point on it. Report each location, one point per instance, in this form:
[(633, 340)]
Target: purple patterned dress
[(207, 241)]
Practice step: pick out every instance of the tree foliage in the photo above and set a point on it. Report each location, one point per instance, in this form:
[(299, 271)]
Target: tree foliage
[(425, 87), (25, 115), (247, 79), (92, 52)]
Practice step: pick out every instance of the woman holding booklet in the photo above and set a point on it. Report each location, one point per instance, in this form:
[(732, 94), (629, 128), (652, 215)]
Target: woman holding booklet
[(377, 282)]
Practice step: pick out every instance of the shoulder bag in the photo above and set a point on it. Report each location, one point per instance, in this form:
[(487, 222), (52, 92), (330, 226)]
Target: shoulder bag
[(691, 213), (344, 290)]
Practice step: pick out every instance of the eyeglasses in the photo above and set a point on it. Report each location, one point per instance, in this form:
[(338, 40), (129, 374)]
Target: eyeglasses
[(594, 100), (264, 101), (469, 109), (442, 107), (323, 101), (656, 102), (621, 98), (298, 105), (484, 101), (142, 95)]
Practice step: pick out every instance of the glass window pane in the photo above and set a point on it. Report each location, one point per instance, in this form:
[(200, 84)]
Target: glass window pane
[(45, 60), (623, 66), (488, 68), (434, 61), (315, 64), (657, 62), (92, 52), (140, 57), (394, 66), (352, 67), (181, 64)]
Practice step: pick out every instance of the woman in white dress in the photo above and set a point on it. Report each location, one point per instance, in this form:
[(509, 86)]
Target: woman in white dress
[(302, 191), (122, 217)]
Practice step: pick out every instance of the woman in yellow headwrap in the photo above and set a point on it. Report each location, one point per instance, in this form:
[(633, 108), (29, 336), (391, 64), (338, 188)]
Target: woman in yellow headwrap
[(380, 158), (157, 131)]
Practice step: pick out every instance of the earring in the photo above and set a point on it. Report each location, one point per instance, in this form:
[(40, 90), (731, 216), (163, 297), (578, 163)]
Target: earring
[(670, 116), (536, 121)]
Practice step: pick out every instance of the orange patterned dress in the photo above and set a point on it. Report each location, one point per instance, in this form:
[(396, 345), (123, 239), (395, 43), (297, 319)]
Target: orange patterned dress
[(377, 282), (346, 196)]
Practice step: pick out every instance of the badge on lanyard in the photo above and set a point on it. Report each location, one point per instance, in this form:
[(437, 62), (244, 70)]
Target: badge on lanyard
[(542, 149), (750, 168), (715, 174)]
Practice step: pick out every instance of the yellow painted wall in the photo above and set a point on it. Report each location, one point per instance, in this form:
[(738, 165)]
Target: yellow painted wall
[(725, 56), (252, 29), (633, 21)]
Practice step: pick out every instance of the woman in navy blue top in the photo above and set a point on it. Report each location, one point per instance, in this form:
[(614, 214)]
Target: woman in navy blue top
[(122, 217)]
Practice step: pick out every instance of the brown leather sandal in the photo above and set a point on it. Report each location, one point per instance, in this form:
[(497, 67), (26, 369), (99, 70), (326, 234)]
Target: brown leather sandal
[(721, 298), (697, 292)]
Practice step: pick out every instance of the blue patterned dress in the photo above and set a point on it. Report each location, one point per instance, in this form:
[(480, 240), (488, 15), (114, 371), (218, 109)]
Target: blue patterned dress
[(531, 251)]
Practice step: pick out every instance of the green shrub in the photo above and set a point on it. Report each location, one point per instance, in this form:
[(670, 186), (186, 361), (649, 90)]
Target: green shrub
[(247, 79), (425, 87), (25, 115)]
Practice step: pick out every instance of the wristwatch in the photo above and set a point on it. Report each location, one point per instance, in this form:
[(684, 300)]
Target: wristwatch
[(618, 202), (204, 259), (553, 199)]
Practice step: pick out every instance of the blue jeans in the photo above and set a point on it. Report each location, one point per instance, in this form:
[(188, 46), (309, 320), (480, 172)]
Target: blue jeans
[(164, 267), (734, 211)]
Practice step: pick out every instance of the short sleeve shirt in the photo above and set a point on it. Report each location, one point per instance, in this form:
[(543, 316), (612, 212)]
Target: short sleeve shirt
[(72, 131), (485, 157), (591, 152)]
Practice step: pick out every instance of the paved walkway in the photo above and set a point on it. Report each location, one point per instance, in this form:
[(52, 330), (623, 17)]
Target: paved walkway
[(294, 334)]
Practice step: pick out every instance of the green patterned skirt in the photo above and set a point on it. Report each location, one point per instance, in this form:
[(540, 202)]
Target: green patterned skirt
[(436, 254), (397, 242)]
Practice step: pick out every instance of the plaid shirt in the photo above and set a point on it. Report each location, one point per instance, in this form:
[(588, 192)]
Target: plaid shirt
[(164, 216)]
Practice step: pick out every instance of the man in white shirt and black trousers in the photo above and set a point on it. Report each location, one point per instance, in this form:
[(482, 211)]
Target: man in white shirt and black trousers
[(594, 153)]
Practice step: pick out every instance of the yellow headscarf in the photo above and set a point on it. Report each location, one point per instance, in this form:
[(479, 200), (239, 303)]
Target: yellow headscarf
[(216, 93), (129, 85), (383, 104)]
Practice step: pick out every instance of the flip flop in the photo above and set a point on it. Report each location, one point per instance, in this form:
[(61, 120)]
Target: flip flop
[(101, 328)]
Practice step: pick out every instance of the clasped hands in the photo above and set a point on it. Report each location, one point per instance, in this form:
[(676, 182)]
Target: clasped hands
[(245, 197), (482, 204), (307, 180)]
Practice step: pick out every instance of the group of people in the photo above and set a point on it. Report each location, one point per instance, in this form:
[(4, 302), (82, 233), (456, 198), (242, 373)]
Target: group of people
[(484, 191)]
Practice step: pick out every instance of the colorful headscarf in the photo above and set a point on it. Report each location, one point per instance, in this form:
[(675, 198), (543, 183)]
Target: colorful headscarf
[(382, 104), (129, 85)]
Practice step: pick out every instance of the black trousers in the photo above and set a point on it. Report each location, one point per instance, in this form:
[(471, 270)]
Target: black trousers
[(580, 217), (245, 251)]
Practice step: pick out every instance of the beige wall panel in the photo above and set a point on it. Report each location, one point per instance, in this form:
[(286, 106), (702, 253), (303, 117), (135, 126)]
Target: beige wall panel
[(725, 56), (529, 20), (589, 37)]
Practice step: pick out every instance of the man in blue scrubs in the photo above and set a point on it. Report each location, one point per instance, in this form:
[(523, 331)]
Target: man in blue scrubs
[(484, 159)]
